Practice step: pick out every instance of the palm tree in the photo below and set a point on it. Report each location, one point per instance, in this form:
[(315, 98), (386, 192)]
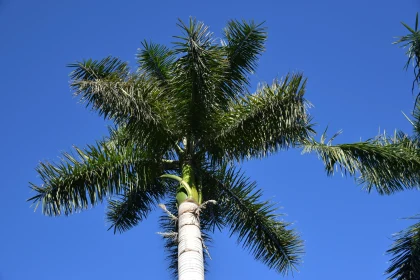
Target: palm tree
[(181, 123)]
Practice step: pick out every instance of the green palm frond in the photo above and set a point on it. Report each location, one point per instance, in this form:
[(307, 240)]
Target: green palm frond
[(132, 101), (119, 136), (416, 121), (244, 43), (212, 216), (122, 136), (157, 61), (169, 227), (389, 165), (405, 263), (273, 118), (120, 97), (133, 206), (110, 68), (411, 41), (93, 81), (89, 177), (199, 71), (255, 222)]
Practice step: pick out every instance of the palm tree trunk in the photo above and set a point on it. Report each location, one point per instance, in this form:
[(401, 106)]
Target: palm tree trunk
[(190, 246)]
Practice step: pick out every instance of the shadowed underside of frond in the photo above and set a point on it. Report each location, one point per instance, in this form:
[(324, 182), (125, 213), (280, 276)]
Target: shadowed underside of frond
[(255, 222), (405, 252)]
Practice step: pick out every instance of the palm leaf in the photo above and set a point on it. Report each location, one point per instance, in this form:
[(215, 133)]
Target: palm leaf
[(260, 124), (244, 43), (253, 221), (114, 93), (412, 43), (388, 165), (133, 206), (198, 73), (132, 101), (89, 177), (169, 227), (156, 61), (416, 121), (405, 263)]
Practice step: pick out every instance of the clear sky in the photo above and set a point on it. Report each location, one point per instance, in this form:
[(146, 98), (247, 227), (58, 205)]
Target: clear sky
[(355, 81)]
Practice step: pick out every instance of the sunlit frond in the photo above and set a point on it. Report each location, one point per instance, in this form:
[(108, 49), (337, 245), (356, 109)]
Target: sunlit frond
[(90, 176), (131, 100), (244, 43), (199, 71), (157, 61), (273, 118), (386, 165)]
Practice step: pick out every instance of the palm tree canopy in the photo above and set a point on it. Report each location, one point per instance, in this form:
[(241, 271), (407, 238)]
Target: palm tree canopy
[(186, 114)]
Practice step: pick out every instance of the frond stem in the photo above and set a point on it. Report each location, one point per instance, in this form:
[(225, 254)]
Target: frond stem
[(180, 180)]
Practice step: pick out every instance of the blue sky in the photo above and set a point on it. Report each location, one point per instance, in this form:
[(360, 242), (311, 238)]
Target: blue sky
[(355, 81)]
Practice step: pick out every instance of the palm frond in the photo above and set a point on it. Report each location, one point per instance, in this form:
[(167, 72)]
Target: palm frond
[(388, 165), (113, 93), (273, 118), (198, 73), (411, 41), (108, 68), (132, 101), (244, 43), (94, 81), (156, 61), (255, 222), (416, 121), (91, 175), (169, 227), (120, 136), (405, 252), (133, 205), (212, 217)]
